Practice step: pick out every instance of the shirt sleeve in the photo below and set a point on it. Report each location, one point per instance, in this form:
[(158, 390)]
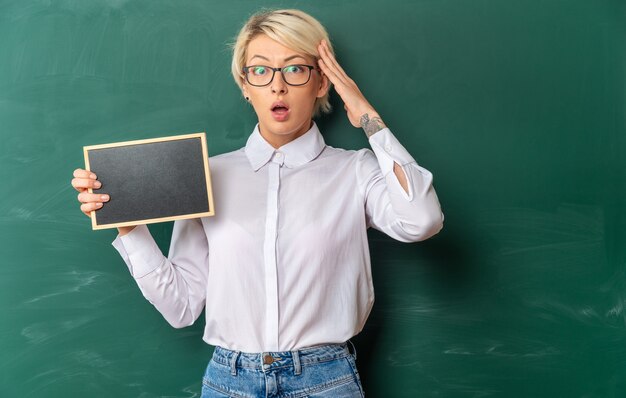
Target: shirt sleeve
[(407, 217), (176, 286)]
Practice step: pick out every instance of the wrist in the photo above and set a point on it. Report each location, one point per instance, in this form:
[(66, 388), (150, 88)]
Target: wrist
[(125, 230), (371, 123)]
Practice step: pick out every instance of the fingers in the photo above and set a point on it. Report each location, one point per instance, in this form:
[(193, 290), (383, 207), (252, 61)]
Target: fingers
[(85, 197), (334, 79), (333, 60), (84, 179), (91, 201), (82, 184), (80, 173), (325, 65), (330, 63), (87, 208)]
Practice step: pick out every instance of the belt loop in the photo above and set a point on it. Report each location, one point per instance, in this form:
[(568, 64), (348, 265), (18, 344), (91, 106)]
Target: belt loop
[(353, 349), (233, 363), (296, 362)]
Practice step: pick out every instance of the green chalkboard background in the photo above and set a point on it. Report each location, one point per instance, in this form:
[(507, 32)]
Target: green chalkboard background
[(517, 107)]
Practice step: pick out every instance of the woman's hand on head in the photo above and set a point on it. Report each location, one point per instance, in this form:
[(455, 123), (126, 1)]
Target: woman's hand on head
[(354, 101), (82, 181)]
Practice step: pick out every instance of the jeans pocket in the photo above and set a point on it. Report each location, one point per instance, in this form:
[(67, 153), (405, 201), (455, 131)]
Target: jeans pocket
[(216, 381), (326, 379)]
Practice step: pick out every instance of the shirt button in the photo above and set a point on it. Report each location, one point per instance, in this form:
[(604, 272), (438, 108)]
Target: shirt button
[(278, 155), (388, 148)]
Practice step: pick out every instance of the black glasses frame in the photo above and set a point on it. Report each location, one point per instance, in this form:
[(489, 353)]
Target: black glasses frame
[(246, 69)]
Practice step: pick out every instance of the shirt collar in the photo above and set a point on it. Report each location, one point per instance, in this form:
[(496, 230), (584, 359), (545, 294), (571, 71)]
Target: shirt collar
[(295, 153)]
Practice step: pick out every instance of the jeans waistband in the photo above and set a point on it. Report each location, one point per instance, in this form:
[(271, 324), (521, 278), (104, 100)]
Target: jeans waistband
[(271, 360)]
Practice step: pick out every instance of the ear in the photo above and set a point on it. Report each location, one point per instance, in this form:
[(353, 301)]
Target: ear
[(324, 85), (244, 90), (244, 87)]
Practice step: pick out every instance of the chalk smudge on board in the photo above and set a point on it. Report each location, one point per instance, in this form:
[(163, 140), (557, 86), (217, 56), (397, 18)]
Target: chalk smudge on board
[(76, 281), (43, 331)]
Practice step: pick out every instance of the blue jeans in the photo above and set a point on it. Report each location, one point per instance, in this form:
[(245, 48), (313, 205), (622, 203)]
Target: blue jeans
[(316, 372)]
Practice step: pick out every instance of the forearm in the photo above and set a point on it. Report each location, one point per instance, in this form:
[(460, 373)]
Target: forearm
[(371, 124), (175, 286), (406, 216)]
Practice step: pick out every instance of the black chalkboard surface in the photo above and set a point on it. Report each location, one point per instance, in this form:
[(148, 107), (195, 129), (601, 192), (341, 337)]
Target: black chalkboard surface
[(153, 180)]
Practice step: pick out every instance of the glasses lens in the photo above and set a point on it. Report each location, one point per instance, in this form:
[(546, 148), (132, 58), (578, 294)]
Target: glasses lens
[(296, 74), (259, 75)]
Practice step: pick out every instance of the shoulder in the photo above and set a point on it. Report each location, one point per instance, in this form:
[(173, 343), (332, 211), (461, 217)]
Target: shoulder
[(358, 159), (354, 155), (228, 159)]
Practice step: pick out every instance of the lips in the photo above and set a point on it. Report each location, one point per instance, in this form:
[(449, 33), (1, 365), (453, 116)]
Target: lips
[(280, 111), (279, 106)]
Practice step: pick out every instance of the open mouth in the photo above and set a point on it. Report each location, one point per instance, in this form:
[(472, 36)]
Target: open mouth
[(279, 106), (280, 110)]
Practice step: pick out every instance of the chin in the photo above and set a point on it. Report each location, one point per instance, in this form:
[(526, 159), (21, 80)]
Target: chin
[(288, 127)]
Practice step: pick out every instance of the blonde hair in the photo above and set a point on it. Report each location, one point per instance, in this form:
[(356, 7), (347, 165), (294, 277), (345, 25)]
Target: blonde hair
[(294, 29)]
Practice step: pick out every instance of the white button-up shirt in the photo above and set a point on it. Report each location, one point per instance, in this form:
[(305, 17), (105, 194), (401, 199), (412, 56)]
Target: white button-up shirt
[(284, 263)]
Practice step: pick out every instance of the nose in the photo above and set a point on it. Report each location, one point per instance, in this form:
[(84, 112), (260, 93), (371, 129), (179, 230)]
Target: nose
[(278, 84)]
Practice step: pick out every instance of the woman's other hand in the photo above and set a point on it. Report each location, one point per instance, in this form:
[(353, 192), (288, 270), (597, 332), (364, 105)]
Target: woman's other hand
[(82, 181)]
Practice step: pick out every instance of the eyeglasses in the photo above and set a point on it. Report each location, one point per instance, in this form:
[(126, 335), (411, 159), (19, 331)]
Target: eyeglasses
[(294, 75)]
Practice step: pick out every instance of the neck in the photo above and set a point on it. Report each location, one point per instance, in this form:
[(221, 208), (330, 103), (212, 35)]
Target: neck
[(278, 140)]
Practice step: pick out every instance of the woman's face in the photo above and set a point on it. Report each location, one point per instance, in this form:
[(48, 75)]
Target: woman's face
[(281, 126)]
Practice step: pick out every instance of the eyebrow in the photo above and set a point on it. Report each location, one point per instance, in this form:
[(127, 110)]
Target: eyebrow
[(286, 59)]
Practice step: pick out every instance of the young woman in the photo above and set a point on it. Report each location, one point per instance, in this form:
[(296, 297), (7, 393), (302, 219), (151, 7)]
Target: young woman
[(283, 270)]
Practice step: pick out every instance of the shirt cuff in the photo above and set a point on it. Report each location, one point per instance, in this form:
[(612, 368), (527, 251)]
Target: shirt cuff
[(388, 151), (139, 250)]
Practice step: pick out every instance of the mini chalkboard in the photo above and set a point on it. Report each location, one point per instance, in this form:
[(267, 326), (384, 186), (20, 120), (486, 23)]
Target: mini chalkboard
[(150, 181)]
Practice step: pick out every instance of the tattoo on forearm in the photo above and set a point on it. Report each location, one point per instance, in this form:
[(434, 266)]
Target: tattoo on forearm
[(371, 126)]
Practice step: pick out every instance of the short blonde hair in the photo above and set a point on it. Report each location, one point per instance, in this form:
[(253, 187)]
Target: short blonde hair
[(294, 29)]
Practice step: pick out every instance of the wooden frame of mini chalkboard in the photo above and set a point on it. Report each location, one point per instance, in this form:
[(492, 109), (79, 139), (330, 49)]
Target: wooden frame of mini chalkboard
[(144, 177)]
